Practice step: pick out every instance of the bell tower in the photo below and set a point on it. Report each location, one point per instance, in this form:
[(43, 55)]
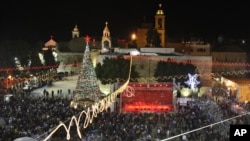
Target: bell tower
[(75, 32), (160, 24), (106, 40)]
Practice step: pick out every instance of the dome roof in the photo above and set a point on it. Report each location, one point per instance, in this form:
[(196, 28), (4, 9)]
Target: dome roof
[(51, 42)]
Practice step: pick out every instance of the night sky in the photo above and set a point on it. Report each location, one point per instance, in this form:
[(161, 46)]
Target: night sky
[(38, 20)]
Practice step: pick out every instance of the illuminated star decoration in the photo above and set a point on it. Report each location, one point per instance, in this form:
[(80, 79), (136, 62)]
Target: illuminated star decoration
[(192, 82), (87, 38)]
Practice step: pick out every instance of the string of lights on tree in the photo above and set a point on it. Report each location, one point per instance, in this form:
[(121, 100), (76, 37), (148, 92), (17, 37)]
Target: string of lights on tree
[(87, 88)]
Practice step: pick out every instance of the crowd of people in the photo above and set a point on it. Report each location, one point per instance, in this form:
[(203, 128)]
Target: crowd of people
[(152, 126), (27, 116), (36, 117)]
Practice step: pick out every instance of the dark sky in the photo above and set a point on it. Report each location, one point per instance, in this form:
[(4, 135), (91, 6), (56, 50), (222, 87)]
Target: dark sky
[(37, 20)]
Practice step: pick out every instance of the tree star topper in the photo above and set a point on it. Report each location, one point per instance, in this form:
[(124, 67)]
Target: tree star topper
[(87, 38)]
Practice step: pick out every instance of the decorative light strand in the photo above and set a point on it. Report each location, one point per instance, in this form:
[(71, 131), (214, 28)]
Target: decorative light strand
[(205, 63), (170, 77), (92, 111)]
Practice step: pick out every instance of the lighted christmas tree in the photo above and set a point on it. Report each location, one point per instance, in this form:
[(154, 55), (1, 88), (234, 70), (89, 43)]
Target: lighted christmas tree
[(87, 89)]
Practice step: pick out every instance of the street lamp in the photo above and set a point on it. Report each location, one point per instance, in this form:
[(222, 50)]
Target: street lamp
[(133, 40), (133, 36)]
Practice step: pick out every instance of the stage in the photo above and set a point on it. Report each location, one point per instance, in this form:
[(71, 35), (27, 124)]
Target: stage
[(153, 97)]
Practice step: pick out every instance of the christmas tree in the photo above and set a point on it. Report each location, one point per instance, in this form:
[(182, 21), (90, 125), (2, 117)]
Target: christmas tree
[(87, 89)]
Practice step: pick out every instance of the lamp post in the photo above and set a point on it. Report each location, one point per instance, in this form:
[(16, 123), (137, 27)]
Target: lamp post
[(133, 40), (133, 36)]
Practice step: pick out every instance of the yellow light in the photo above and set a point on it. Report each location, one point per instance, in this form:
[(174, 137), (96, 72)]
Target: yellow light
[(133, 36), (186, 92), (228, 83)]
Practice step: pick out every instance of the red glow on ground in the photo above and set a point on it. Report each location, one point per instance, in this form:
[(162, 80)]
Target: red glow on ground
[(147, 107)]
